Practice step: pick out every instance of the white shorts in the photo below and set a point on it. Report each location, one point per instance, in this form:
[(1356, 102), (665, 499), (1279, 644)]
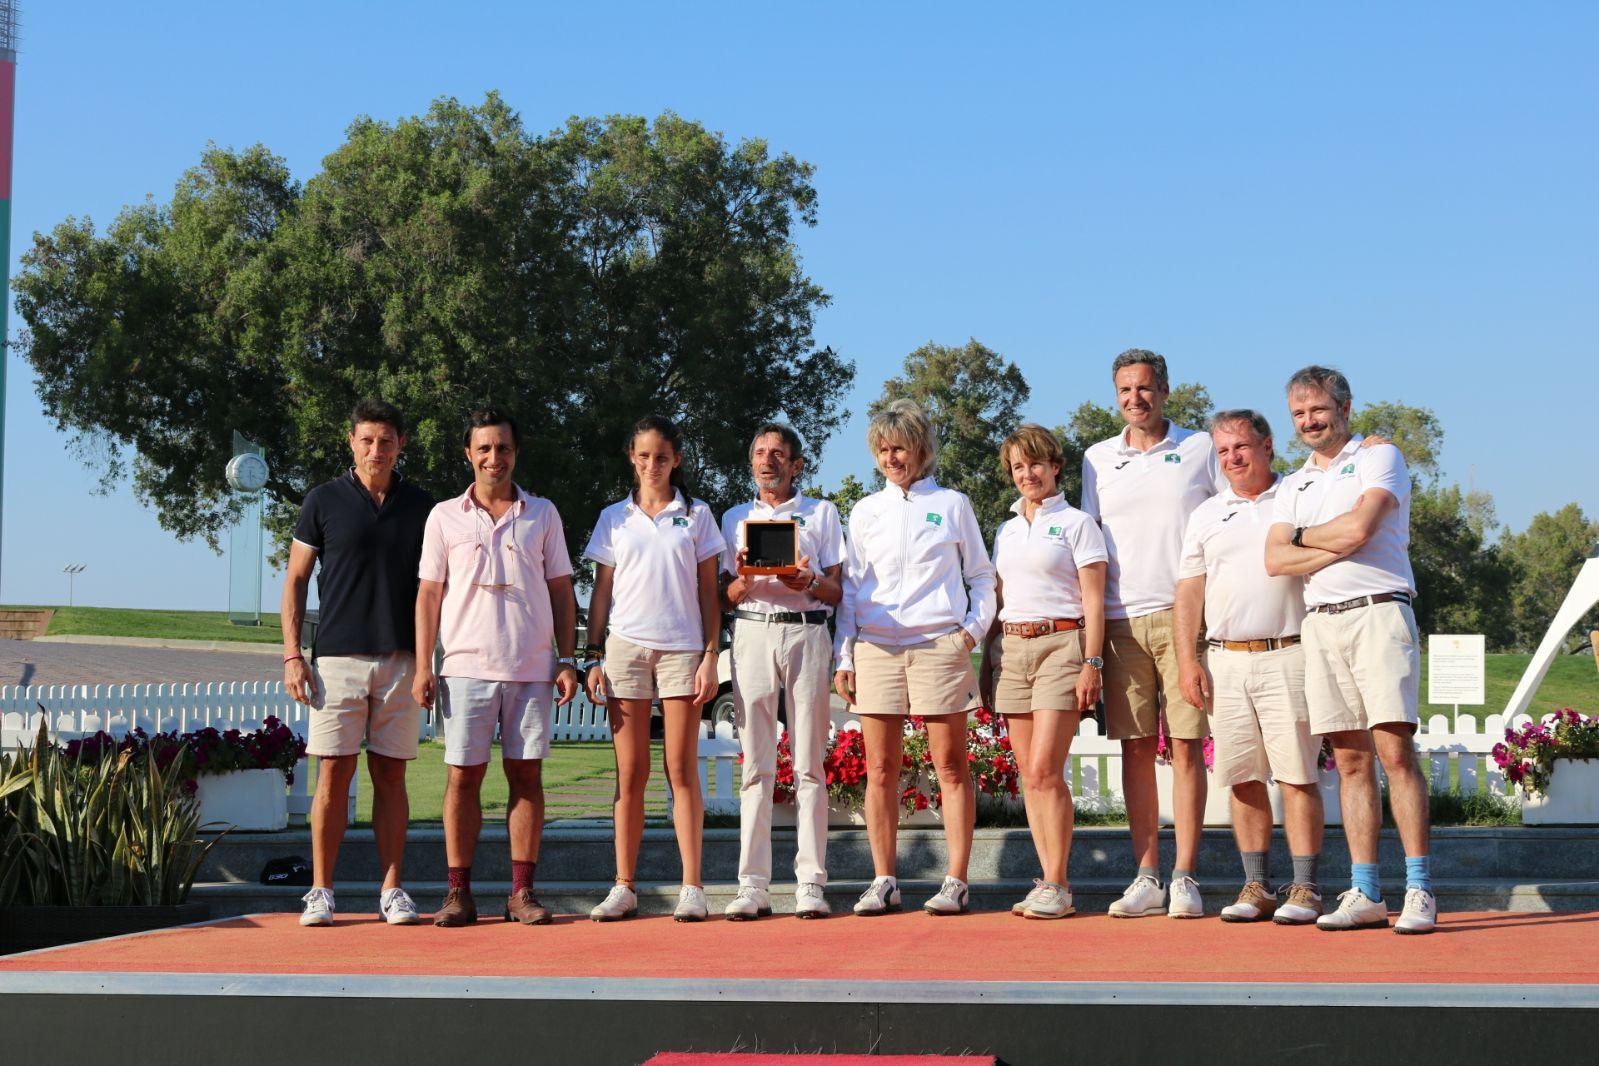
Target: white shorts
[(364, 697), (1259, 717), (1362, 668), (473, 709)]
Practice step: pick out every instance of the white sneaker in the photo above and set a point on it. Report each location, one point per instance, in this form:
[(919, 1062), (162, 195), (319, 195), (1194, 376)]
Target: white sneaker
[(1354, 911), (751, 902), (691, 905), (1020, 908), (397, 908), (952, 898), (1143, 897), (1050, 901), (318, 907), (1420, 914), (810, 901), (880, 897), (1302, 907), (1185, 901), (621, 903)]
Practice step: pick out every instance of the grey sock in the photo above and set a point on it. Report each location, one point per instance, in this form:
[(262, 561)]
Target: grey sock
[(1150, 872), (1178, 875), (1305, 870), (1255, 867)]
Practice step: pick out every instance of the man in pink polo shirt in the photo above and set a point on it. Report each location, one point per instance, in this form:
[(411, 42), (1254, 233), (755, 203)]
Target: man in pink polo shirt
[(496, 583)]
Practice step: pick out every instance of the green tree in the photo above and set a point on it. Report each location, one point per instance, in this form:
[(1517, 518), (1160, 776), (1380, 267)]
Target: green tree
[(974, 398), (1463, 584), (1547, 556), (609, 269), (850, 491)]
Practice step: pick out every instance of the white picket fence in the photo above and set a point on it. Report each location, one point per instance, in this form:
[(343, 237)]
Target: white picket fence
[(1453, 754)]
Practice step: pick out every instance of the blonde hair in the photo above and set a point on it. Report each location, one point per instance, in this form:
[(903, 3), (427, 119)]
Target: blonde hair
[(903, 422), (1035, 444)]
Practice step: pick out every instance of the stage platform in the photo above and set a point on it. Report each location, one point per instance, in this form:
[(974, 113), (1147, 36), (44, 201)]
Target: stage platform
[(1087, 989)]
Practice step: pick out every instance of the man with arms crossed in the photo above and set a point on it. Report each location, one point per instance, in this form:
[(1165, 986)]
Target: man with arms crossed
[(1343, 521), (782, 652), (365, 527), (495, 576), (1142, 485), (1253, 675)]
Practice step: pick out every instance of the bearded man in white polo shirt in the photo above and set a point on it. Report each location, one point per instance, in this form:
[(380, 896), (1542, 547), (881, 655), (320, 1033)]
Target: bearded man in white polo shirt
[(1141, 485), (1343, 522), (782, 653), (496, 581), (1253, 675)]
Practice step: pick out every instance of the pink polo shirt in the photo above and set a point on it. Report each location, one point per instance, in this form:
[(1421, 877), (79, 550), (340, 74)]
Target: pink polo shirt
[(496, 622)]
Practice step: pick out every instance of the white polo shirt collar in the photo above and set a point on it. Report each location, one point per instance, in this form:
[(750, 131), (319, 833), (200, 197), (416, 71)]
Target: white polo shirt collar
[(1350, 448), (1047, 505), (1234, 500), (677, 506), (1124, 440)]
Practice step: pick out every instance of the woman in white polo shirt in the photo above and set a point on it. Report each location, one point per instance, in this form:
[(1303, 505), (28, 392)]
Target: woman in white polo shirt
[(1041, 663), (655, 555), (918, 596)]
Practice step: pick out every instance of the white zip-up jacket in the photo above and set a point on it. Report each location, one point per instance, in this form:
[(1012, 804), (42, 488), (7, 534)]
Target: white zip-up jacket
[(915, 569)]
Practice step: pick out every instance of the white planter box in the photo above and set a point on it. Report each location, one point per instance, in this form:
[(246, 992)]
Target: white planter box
[(1218, 799), (1572, 799), (244, 799), (842, 817)]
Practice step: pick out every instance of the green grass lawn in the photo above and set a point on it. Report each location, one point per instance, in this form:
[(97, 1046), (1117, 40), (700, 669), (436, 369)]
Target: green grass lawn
[(172, 625)]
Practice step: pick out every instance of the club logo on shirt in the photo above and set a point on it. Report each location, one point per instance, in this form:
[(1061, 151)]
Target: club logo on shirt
[(801, 520), (1349, 468), (1054, 531), (1173, 457), (680, 521), (936, 519)]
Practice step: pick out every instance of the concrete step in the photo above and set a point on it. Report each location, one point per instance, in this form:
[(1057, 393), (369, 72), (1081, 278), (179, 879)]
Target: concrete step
[(586, 853), (659, 897), (24, 625)]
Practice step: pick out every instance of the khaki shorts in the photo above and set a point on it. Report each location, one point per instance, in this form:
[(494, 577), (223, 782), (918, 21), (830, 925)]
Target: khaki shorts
[(364, 696), (932, 678), (1259, 717), (636, 673), (1362, 668), (1037, 673), (1141, 681)]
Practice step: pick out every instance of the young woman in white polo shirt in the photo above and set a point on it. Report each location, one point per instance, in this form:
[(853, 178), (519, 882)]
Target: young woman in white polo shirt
[(918, 596), (1041, 663), (655, 554)]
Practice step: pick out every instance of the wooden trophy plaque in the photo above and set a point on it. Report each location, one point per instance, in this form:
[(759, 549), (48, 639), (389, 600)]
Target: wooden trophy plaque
[(771, 547)]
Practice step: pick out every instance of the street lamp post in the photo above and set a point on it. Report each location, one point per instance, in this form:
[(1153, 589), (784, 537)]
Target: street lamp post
[(72, 570)]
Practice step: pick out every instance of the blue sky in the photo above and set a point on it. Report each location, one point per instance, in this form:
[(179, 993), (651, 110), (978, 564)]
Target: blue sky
[(1406, 192)]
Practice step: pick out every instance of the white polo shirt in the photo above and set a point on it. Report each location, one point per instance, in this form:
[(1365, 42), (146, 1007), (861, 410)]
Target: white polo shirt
[(821, 538), (1142, 500), (1038, 561), (911, 557), (495, 621), (1310, 496), (1226, 545), (655, 600)]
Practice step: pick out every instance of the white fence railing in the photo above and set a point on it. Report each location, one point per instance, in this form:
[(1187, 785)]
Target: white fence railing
[(1453, 754)]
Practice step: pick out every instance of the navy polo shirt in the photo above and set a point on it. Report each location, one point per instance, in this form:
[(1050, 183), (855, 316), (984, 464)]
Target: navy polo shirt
[(367, 556)]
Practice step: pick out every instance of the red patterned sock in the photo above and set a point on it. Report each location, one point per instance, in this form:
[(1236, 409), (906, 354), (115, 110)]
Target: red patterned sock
[(522, 875), (461, 877)]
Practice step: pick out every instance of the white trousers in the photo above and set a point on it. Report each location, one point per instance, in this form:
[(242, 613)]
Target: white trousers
[(793, 661)]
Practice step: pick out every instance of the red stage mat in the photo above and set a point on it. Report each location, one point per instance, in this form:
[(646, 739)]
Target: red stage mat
[(1488, 948)]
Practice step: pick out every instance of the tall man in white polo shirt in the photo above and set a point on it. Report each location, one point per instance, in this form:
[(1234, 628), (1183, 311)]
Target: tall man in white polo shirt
[(782, 653), (1343, 521), (1142, 485), (497, 582), (1253, 675)]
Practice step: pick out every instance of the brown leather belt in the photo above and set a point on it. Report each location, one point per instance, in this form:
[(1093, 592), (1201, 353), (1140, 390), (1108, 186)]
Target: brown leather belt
[(1042, 629), (1269, 644), (1361, 601)]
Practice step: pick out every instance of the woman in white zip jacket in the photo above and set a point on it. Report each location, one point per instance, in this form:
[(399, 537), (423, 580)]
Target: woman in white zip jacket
[(918, 597)]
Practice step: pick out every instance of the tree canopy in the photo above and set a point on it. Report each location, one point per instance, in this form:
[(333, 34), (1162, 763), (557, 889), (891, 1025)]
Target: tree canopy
[(579, 279)]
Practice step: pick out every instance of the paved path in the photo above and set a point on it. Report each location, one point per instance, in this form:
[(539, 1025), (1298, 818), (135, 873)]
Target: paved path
[(26, 662)]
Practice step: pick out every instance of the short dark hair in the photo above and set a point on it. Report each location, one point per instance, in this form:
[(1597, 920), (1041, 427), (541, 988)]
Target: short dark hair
[(791, 439), (490, 416), (1324, 378), (1142, 357), (373, 409), (1242, 416)]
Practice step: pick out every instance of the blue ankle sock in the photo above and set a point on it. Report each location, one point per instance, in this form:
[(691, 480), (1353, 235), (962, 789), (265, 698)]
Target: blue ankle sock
[(1363, 875), (1418, 872)]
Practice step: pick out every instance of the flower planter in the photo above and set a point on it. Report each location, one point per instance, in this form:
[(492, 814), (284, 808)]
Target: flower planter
[(244, 799), (1572, 797), (32, 928)]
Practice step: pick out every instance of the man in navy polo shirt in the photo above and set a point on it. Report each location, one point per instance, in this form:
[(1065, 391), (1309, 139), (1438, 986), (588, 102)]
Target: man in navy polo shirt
[(365, 528)]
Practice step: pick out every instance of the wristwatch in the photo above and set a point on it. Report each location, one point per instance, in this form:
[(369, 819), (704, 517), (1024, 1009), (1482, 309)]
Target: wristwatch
[(1298, 539), (1096, 662), (567, 660)]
